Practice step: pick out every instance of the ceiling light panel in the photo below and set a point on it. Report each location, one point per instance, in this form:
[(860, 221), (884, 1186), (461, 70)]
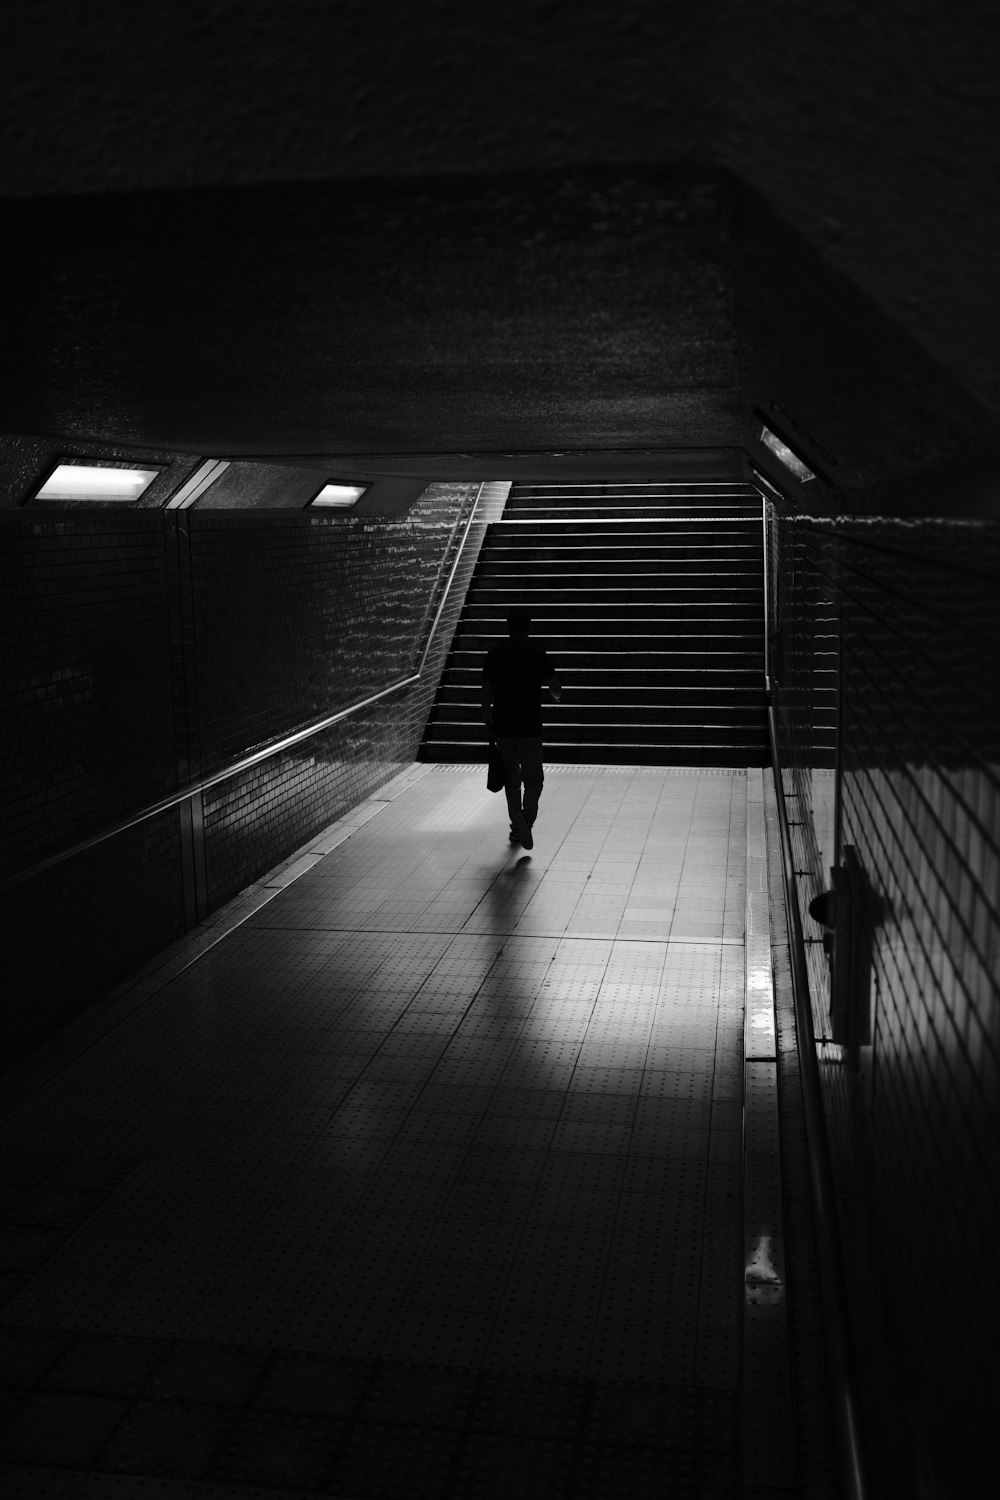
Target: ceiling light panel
[(341, 495), (96, 482), (785, 456)]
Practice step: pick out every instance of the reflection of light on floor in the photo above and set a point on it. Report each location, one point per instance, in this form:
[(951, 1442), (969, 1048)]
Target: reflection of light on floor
[(762, 1283), (455, 811), (759, 976)]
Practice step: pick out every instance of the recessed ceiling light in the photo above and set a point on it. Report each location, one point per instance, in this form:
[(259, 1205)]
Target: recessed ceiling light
[(96, 482), (784, 455), (339, 494)]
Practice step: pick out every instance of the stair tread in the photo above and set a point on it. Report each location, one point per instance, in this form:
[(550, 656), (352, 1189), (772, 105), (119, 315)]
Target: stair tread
[(649, 597)]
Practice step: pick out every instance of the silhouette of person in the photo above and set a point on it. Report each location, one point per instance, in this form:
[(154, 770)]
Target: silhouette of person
[(513, 677)]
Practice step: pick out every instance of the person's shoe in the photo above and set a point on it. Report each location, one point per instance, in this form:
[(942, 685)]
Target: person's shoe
[(513, 837), (523, 830)]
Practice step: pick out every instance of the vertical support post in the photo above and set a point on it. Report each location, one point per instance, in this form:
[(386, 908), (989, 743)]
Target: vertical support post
[(838, 755), (767, 598), (187, 737)]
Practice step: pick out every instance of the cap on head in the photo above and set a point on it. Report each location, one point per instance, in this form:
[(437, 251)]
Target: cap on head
[(518, 622)]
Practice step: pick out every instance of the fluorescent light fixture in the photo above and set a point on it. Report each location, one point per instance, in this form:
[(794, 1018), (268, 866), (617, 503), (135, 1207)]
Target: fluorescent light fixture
[(96, 482), (339, 494), (784, 455)]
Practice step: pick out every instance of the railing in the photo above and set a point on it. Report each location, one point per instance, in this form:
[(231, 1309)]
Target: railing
[(246, 762), (767, 600), (843, 1382)]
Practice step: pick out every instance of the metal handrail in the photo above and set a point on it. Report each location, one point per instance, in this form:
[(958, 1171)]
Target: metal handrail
[(246, 762), (840, 1353), (451, 578)]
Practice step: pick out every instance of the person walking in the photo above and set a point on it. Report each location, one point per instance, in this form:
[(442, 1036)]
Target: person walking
[(513, 677)]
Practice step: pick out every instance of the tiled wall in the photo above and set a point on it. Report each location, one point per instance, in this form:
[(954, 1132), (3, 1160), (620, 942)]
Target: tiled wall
[(141, 651), (915, 1129), (85, 676), (85, 667), (349, 612)]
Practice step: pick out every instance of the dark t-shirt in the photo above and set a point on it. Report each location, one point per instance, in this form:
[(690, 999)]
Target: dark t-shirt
[(516, 672)]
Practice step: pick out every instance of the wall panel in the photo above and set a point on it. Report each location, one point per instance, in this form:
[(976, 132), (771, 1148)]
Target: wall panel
[(85, 675), (915, 1128), (143, 651)]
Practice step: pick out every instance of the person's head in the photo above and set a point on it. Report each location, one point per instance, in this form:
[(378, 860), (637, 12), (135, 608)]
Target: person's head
[(518, 624)]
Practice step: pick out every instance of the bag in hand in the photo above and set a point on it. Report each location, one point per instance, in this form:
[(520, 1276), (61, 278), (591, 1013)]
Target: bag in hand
[(496, 773)]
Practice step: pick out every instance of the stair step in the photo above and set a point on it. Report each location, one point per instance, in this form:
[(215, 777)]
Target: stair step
[(679, 583), (611, 598), (609, 685), (623, 734), (632, 515), (642, 697), (583, 633), (619, 642), (601, 661), (556, 715), (495, 572), (684, 528), (615, 753), (694, 554), (649, 598), (550, 619), (701, 506)]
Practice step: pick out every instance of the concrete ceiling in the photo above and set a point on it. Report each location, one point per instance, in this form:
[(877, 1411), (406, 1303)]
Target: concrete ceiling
[(446, 240), (588, 310)]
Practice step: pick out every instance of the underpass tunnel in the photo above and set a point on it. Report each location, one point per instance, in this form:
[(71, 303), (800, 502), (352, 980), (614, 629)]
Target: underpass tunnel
[(660, 1159)]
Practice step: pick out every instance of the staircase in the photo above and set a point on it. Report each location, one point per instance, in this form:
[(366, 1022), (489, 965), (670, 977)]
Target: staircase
[(650, 600)]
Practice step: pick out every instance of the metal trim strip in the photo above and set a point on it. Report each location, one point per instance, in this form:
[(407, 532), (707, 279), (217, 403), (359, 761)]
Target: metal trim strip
[(840, 1353)]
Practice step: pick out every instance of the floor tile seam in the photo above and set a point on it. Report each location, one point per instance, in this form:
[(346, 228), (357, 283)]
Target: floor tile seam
[(513, 932), (649, 824), (683, 860), (614, 795)]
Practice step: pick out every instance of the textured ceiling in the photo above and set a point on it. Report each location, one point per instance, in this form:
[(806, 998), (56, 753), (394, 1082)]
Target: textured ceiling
[(120, 96), (552, 310), (276, 228)]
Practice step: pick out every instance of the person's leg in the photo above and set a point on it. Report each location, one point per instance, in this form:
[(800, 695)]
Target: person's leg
[(530, 752), (512, 786)]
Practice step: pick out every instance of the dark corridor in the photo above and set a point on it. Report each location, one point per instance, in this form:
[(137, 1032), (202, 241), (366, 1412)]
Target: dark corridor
[(427, 255)]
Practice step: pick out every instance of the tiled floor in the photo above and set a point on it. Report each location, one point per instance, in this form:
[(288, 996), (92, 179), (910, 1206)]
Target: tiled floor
[(424, 1181)]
